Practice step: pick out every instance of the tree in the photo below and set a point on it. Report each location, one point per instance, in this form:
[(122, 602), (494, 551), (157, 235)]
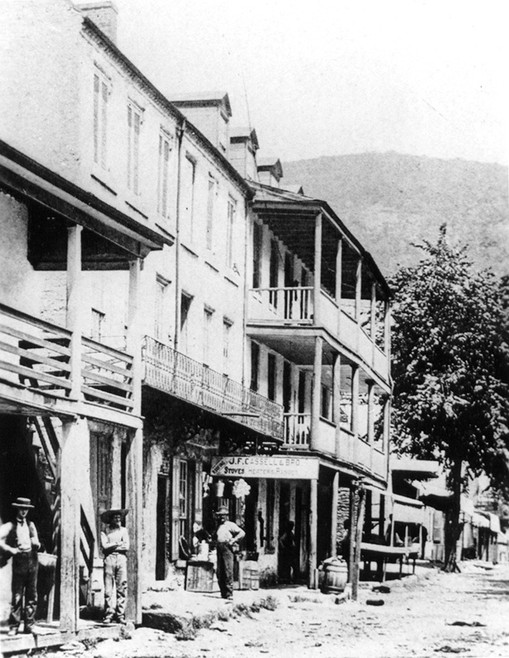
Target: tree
[(450, 399)]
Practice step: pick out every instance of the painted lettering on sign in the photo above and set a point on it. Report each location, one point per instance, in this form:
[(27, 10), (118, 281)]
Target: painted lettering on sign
[(299, 468)]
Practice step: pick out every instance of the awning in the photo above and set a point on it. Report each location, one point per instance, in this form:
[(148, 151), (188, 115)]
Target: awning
[(480, 520), (415, 469), (407, 510), (434, 496)]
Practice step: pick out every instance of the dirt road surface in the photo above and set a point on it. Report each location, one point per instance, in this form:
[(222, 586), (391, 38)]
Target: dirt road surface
[(433, 614)]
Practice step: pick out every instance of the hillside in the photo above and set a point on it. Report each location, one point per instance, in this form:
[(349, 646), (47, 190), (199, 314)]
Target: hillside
[(390, 201)]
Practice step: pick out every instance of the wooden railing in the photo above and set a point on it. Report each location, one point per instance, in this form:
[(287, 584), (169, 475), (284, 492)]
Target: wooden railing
[(297, 430), (288, 304), (177, 374), (37, 354)]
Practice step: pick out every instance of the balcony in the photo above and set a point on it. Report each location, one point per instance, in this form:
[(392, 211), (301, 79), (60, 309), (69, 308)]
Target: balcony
[(354, 450), (37, 357), (273, 309), (176, 374)]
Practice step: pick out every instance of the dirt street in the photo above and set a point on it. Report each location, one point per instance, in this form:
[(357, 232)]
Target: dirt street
[(430, 615)]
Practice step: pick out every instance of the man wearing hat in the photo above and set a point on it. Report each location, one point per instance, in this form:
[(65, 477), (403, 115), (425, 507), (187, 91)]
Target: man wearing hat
[(19, 539), (228, 533), (115, 544)]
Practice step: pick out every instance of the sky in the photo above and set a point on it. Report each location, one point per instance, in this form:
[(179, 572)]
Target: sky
[(315, 78)]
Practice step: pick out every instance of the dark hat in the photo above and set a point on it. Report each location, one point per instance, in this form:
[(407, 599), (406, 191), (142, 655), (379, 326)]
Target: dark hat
[(110, 513), (223, 510), (23, 503)]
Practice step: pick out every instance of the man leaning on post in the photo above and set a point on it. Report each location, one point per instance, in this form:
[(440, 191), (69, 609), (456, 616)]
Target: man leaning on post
[(115, 544), (228, 533)]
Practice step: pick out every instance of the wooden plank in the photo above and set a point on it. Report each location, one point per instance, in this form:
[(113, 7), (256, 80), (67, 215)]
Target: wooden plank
[(34, 340), (102, 395), (34, 374), (126, 371), (108, 381), (110, 351), (33, 321), (33, 356)]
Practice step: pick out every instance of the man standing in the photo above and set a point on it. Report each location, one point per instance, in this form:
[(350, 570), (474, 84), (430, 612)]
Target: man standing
[(115, 544), (227, 534), (19, 539)]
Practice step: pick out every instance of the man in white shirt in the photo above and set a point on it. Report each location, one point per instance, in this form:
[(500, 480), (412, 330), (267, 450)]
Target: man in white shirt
[(228, 533), (115, 544), (19, 539)]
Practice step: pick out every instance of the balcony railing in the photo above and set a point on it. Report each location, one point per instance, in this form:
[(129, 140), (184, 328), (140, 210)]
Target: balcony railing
[(37, 354), (356, 451), (177, 374), (297, 306)]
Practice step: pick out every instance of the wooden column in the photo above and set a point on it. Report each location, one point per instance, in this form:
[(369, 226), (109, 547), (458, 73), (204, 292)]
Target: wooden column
[(358, 539), (336, 409), (355, 409), (339, 279), (316, 394), (387, 329), (372, 318), (334, 513), (371, 419), (134, 333), (358, 289), (70, 464), (387, 434), (134, 493), (74, 305), (313, 529), (317, 285)]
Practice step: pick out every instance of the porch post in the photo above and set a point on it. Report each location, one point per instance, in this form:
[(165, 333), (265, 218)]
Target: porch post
[(134, 330), (134, 492), (74, 305), (71, 458), (339, 279), (358, 289), (355, 409), (313, 529), (372, 319), (361, 504), (387, 329), (317, 284), (334, 511), (336, 409), (317, 393), (371, 419)]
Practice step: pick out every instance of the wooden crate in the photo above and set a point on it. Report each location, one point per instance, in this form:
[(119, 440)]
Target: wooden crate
[(201, 577)]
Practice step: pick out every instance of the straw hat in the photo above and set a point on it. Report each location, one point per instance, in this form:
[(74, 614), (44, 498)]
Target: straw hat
[(23, 503), (223, 510), (107, 515)]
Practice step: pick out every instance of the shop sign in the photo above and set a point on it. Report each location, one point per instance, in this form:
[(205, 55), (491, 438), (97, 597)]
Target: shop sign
[(262, 466)]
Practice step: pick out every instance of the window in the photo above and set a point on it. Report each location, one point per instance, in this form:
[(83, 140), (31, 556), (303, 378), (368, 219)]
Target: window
[(255, 365), (274, 272), (271, 376), (101, 92), (207, 333), (269, 511), (227, 327), (97, 329), (325, 406), (230, 222), (302, 392), (187, 191), (133, 147), (160, 300), (183, 498), (210, 211), (185, 305), (257, 254), (163, 174)]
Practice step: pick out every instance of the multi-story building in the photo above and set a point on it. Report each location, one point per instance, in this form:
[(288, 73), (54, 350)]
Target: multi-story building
[(246, 362)]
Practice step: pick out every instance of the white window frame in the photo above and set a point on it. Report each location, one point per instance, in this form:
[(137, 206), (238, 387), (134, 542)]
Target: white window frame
[(160, 303), (101, 92), (211, 203), (230, 226), (190, 188), (163, 173), (134, 123), (208, 318), (227, 327)]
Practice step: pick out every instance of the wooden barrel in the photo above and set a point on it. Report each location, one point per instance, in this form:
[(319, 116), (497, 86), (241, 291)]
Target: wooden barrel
[(335, 576)]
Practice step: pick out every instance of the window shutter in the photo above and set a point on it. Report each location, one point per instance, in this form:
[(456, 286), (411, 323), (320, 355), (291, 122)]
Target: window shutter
[(198, 498), (175, 509)]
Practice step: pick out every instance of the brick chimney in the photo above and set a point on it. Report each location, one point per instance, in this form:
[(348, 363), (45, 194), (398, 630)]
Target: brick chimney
[(104, 14)]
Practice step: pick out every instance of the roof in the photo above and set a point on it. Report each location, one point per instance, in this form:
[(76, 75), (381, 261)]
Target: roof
[(271, 164), (291, 216), (241, 134), (203, 99), (416, 469), (296, 188)]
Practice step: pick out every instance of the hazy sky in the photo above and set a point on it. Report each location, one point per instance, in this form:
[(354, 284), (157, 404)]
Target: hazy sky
[(327, 78)]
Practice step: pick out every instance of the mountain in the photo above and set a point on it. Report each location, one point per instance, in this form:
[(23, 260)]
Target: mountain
[(391, 201)]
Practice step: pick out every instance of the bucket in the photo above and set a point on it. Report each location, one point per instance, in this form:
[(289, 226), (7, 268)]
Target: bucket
[(335, 576)]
